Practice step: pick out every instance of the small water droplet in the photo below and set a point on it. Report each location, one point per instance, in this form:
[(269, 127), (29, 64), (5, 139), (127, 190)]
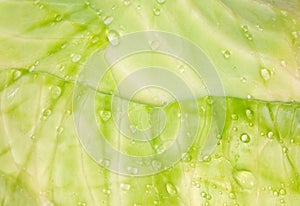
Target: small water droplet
[(161, 1), (244, 178), (206, 158), (156, 165), (245, 28), (113, 37), (171, 189), (186, 157), (126, 2), (125, 186), (156, 11), (155, 202), (181, 68), (17, 74), (283, 63), (226, 54), (284, 149), (31, 68), (234, 117), (108, 19), (270, 134), (106, 191), (59, 130), (58, 17), (265, 73), (105, 115), (208, 196), (232, 195), (132, 128), (249, 97), (249, 114), (275, 193), (75, 57), (243, 79), (245, 138), (154, 45), (105, 162), (203, 194), (55, 91), (292, 140), (46, 113), (282, 191), (132, 170)]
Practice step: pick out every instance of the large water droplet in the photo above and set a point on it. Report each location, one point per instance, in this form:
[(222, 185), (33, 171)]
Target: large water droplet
[(244, 178), (245, 138), (113, 37), (105, 115), (265, 73), (171, 189)]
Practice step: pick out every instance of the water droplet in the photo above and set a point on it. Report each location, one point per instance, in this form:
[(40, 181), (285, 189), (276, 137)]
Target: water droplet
[(270, 134), (226, 54), (81, 204), (244, 178), (132, 128), (154, 45), (295, 34), (249, 97), (156, 165), (245, 138), (17, 74), (46, 113), (243, 79), (58, 17), (105, 162), (265, 73), (203, 194), (250, 124), (125, 186), (284, 149), (108, 19), (156, 11), (292, 140), (55, 91), (132, 170), (105, 115), (113, 37), (32, 137), (249, 114), (208, 196), (235, 129), (106, 191), (161, 1), (155, 202), (245, 28), (59, 130), (206, 158), (283, 63), (171, 189), (126, 2), (186, 157), (232, 195), (181, 68), (282, 191), (275, 193), (234, 117), (31, 68), (75, 57)]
